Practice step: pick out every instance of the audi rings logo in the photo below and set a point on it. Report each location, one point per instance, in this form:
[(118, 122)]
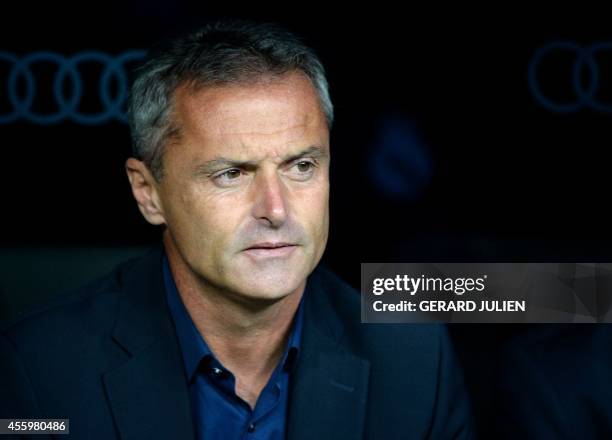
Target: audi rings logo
[(585, 76), (67, 86)]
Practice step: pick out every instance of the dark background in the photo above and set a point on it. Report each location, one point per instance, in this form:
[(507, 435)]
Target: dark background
[(440, 149)]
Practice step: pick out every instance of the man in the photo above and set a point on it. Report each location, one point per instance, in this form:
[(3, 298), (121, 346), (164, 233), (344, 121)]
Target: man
[(230, 329)]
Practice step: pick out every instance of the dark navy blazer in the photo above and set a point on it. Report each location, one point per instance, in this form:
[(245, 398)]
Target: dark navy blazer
[(108, 359)]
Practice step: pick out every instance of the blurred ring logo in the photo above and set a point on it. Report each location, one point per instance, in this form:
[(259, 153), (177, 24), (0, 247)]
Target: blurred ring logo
[(66, 91), (583, 65)]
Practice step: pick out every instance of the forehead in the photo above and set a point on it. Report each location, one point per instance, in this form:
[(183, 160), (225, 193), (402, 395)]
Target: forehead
[(275, 113)]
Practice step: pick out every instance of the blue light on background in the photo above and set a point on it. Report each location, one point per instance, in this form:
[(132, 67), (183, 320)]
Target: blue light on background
[(400, 164)]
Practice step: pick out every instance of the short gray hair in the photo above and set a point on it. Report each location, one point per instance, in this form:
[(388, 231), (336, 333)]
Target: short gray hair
[(220, 53)]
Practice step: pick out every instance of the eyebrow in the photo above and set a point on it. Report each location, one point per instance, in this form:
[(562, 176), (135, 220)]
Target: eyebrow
[(219, 163)]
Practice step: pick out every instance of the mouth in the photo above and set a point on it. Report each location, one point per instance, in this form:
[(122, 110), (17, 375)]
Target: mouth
[(270, 250)]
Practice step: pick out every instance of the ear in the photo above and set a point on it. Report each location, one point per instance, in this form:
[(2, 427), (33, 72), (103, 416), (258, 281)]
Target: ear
[(145, 191)]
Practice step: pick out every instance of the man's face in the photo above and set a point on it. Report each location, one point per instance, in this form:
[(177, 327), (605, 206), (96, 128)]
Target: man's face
[(245, 192)]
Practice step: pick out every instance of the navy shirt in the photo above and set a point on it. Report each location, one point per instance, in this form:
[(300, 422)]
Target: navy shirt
[(219, 413)]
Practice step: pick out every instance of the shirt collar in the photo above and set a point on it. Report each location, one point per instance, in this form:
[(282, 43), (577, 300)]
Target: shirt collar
[(193, 347)]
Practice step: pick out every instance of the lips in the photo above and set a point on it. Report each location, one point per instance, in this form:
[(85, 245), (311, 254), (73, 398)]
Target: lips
[(269, 245), (270, 250)]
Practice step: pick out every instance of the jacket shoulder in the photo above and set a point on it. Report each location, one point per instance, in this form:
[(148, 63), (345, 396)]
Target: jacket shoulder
[(88, 307), (347, 304)]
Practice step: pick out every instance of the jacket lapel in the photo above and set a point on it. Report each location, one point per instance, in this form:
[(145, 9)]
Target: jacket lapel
[(329, 387), (148, 393)]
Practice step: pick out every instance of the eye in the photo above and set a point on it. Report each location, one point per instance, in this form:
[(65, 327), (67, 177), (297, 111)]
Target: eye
[(228, 177), (304, 166), (231, 174), (302, 170)]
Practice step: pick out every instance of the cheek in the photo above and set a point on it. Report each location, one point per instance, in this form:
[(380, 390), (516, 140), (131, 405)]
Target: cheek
[(203, 225), (314, 207), (215, 227)]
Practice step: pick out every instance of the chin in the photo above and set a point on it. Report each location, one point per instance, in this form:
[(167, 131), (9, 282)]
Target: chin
[(270, 284)]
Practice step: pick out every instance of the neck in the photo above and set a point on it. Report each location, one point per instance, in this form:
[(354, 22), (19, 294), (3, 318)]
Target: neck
[(247, 336)]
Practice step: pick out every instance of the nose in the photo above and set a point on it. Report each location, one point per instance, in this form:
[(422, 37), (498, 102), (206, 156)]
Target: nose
[(270, 199)]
